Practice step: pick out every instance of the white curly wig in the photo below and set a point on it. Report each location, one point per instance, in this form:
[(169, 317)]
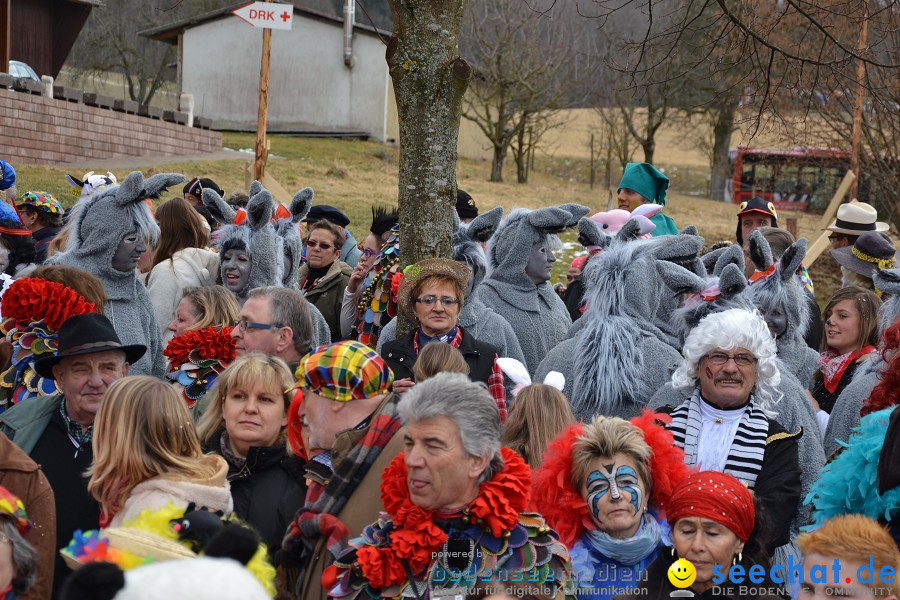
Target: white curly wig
[(730, 329)]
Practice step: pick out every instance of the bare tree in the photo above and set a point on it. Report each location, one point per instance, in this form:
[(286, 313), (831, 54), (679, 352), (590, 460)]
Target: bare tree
[(523, 61)]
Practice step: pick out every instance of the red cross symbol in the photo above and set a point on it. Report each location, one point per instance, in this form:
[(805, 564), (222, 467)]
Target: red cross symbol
[(285, 16)]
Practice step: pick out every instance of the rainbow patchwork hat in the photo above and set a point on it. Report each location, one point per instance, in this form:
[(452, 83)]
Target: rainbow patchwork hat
[(12, 508), (344, 371), (42, 201)]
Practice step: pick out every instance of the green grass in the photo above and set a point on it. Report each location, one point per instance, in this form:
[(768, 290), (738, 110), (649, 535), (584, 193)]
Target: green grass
[(354, 176)]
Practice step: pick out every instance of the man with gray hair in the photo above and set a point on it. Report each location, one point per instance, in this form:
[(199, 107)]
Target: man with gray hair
[(728, 423), (274, 321), (453, 501)]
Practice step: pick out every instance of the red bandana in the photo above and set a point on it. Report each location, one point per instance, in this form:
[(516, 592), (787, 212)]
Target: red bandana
[(715, 496), (833, 365)]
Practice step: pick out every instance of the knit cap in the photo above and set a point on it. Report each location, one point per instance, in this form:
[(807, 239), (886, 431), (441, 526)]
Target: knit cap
[(344, 371), (42, 201)]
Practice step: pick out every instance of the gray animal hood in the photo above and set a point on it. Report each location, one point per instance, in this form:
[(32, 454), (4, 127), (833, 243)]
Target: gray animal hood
[(467, 241), (289, 233), (100, 222), (622, 294), (256, 236)]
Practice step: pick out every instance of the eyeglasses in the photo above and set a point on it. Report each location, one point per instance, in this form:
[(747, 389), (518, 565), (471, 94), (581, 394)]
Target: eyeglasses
[(244, 325), (315, 244), (432, 300), (720, 358), (367, 252)]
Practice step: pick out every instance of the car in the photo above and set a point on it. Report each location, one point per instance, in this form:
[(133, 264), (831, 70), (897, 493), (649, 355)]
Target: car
[(20, 70)]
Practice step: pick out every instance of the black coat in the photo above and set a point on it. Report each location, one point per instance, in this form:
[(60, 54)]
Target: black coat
[(267, 491), (400, 356)]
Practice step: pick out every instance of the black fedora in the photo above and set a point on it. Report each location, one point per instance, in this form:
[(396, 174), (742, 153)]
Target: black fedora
[(87, 334)]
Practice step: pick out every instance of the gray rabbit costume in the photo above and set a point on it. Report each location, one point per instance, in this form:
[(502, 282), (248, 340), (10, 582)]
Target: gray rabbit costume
[(775, 287), (98, 225), (845, 414), (476, 318), (540, 316), (619, 358)]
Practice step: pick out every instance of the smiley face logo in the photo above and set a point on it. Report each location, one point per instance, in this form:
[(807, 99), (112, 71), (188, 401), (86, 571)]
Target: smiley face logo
[(682, 573)]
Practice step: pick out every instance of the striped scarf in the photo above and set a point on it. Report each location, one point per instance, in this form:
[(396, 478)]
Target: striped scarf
[(318, 519), (745, 457)]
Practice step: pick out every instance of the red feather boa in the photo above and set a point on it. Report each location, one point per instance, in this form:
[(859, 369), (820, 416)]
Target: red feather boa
[(211, 343), (31, 299), (887, 392), (416, 537), (562, 505)]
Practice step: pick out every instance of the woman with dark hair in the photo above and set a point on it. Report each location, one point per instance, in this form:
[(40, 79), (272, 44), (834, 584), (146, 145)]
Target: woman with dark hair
[(181, 260), (715, 525), (19, 246), (323, 277)]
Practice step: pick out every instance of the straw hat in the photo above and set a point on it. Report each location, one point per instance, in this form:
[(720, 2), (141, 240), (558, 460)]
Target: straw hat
[(423, 269), (856, 218)]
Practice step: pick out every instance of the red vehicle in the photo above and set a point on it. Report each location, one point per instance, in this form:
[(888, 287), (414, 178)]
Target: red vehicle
[(790, 179)]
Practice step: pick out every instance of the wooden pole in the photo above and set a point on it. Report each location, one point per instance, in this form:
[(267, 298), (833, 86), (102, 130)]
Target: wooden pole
[(593, 169), (5, 36), (260, 162), (856, 135), (817, 247)]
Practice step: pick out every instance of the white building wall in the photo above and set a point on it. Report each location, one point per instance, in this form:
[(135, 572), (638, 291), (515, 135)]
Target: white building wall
[(310, 88)]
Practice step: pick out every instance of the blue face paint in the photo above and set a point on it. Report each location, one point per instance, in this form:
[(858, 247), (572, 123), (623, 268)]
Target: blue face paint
[(623, 479)]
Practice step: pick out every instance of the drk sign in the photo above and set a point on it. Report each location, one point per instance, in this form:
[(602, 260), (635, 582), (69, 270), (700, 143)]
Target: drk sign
[(266, 15)]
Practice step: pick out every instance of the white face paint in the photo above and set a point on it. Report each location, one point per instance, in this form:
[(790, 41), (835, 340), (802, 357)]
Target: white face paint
[(128, 253), (615, 495)]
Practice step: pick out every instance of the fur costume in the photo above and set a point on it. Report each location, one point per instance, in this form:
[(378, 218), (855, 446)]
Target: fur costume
[(98, 224), (255, 236), (845, 414), (619, 358), (476, 318), (774, 286), (540, 316), (669, 301)]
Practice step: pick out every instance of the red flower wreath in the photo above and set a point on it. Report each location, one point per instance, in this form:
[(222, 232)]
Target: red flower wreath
[(415, 536), (211, 343), (31, 299)]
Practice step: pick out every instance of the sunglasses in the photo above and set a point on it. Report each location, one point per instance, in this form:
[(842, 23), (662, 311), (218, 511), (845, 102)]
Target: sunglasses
[(322, 245)]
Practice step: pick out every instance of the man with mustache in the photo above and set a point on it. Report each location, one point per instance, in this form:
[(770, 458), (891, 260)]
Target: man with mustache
[(728, 423)]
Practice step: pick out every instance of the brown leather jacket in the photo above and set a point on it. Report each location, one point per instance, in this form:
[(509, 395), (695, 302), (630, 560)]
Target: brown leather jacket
[(24, 478)]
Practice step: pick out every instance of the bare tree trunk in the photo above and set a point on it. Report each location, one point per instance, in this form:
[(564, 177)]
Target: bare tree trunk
[(649, 147), (722, 130), (497, 163), (429, 81)]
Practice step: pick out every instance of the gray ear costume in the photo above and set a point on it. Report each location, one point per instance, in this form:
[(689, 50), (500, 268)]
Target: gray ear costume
[(845, 414), (619, 358), (780, 289), (669, 301), (540, 318), (288, 233), (255, 236), (99, 224), (476, 318)]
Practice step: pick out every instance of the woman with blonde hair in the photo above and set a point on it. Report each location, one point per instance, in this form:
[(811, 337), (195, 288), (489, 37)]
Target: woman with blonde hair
[(147, 454), (439, 358), (180, 260), (538, 415), (201, 307), (246, 424)]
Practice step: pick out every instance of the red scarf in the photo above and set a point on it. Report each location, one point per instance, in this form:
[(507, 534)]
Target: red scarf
[(832, 365), (415, 537)]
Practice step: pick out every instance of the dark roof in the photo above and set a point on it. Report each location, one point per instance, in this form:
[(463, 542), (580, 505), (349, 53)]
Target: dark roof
[(169, 33)]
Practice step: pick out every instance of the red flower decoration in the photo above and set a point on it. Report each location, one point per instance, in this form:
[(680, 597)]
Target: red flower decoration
[(395, 284), (211, 343), (415, 536), (30, 300)]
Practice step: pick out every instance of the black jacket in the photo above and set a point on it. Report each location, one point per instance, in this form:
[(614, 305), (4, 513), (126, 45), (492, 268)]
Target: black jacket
[(400, 356), (267, 491)]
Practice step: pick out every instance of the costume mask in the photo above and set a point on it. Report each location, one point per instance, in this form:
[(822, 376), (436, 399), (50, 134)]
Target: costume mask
[(128, 253), (619, 482), (235, 269), (540, 260)]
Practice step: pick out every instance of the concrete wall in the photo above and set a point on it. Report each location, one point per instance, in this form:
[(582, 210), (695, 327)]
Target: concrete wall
[(310, 88), (47, 131)]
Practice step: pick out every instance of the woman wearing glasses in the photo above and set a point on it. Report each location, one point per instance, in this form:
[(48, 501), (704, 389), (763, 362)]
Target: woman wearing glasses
[(323, 277), (431, 295)]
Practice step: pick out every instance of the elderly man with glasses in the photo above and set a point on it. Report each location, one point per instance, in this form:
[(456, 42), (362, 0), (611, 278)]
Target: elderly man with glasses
[(728, 423), (274, 321)]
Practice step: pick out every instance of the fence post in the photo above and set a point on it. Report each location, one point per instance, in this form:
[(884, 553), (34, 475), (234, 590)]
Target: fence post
[(47, 82), (186, 104)]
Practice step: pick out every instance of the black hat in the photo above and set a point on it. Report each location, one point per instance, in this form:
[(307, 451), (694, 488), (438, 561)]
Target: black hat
[(755, 204), (465, 206), (196, 186), (87, 334), (323, 212), (872, 250)]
